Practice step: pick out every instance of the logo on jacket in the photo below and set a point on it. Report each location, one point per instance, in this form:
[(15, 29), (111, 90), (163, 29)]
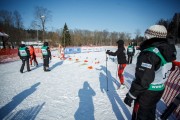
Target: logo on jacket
[(146, 65)]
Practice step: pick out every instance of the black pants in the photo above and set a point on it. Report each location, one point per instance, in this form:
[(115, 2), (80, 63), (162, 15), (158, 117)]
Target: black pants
[(130, 59), (23, 64), (140, 113), (145, 105), (45, 62)]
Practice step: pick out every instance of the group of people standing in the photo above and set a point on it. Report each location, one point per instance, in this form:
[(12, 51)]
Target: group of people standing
[(28, 54), (154, 63)]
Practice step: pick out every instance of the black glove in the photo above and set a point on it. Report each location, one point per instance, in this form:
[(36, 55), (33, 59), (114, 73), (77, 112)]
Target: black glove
[(107, 52), (128, 100)]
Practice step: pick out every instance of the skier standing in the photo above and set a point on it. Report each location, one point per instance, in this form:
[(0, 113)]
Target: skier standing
[(130, 52), (121, 56), (24, 55), (152, 68), (46, 56)]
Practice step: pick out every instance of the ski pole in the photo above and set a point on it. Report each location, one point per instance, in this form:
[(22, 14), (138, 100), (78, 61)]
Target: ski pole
[(117, 71), (106, 72)]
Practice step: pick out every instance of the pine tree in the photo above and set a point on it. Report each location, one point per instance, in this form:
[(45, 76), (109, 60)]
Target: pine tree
[(66, 37)]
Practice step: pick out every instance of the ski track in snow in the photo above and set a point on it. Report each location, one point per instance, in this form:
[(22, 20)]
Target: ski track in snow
[(69, 91)]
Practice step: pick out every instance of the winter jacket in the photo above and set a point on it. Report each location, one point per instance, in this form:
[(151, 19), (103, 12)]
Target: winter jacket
[(23, 52), (46, 51), (148, 63), (31, 50), (120, 53)]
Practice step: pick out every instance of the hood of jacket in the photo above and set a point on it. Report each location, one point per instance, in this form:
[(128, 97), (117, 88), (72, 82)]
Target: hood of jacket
[(162, 44)]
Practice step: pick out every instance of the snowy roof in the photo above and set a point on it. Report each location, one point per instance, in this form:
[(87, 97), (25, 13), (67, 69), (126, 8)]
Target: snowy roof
[(4, 34)]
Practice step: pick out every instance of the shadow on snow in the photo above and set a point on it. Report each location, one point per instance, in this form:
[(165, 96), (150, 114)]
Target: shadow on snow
[(27, 114), (86, 106), (56, 64), (112, 94), (16, 100)]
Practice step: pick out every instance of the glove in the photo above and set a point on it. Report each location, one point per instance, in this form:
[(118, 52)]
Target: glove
[(107, 52), (128, 100)]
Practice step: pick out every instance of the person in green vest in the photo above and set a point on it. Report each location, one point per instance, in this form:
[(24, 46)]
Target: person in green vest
[(46, 56), (24, 55), (130, 52), (153, 66)]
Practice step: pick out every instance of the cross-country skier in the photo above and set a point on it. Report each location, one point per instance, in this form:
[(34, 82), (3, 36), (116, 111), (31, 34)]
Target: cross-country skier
[(24, 55), (152, 68), (121, 56), (46, 56)]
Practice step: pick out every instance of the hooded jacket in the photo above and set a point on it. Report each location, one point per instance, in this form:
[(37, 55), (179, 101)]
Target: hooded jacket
[(145, 75), (120, 53)]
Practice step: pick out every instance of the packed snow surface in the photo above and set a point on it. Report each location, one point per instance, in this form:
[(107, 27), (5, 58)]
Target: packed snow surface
[(73, 89)]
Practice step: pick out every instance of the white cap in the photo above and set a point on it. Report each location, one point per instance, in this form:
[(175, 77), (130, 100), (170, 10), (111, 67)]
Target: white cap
[(156, 31)]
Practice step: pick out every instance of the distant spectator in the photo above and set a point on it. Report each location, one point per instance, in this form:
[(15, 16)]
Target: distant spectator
[(130, 52)]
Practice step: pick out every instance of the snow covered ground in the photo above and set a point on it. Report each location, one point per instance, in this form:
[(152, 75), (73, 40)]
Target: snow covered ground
[(69, 91)]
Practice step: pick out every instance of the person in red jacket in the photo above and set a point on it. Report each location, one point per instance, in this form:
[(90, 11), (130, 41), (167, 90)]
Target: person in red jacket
[(32, 55)]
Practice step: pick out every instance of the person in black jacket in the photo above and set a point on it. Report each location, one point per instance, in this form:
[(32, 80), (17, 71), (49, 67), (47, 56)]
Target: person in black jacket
[(24, 55), (46, 56), (130, 52), (121, 56), (152, 68)]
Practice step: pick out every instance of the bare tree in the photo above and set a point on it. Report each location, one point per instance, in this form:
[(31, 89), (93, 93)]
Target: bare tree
[(42, 15)]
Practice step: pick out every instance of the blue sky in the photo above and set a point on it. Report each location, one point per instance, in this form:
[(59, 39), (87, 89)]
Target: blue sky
[(112, 15)]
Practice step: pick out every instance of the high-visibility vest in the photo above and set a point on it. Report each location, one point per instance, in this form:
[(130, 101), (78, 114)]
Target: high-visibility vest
[(130, 49), (22, 51), (44, 50), (162, 73)]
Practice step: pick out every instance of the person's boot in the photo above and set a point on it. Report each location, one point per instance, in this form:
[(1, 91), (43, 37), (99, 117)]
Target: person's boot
[(47, 69), (44, 68)]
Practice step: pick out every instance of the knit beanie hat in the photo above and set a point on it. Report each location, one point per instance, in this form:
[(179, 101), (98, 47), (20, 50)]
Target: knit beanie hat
[(156, 31)]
